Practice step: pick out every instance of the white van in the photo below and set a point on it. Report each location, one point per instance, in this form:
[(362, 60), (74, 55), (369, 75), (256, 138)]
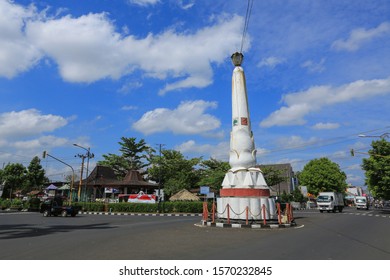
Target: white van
[(330, 201), (361, 202)]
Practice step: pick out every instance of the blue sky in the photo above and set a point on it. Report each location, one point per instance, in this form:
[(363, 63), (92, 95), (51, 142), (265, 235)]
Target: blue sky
[(90, 72)]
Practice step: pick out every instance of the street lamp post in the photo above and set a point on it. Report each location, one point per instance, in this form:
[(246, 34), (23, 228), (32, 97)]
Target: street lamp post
[(45, 154), (88, 156), (81, 176), (382, 136)]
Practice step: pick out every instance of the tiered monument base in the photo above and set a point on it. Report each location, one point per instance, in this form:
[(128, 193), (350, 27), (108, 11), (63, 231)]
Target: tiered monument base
[(243, 208), (245, 196)]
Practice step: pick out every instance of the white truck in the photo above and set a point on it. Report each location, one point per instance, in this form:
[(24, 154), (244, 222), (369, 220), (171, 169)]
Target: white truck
[(361, 202), (330, 201)]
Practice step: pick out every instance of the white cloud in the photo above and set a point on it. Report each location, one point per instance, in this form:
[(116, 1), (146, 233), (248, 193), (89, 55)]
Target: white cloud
[(271, 62), (354, 179), (360, 36), (44, 141), (314, 67), (143, 3), (340, 154), (129, 108), (28, 123), (321, 126), (299, 104), (354, 167), (88, 48), (22, 134), (293, 142), (16, 53), (187, 118), (261, 151), (185, 6), (219, 151), (129, 86)]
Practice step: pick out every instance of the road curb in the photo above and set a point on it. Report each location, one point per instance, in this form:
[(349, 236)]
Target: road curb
[(251, 226), (141, 214)]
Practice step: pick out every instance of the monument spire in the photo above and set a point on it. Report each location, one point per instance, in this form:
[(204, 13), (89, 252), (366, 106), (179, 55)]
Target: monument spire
[(242, 147), (243, 186)]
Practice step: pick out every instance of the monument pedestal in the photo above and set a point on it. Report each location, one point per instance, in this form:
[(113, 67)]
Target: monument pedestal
[(245, 195)]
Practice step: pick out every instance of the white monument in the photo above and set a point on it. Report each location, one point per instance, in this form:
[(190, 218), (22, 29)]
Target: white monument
[(244, 192)]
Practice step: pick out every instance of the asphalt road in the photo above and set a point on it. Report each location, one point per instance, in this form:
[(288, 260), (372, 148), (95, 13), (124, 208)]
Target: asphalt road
[(351, 235)]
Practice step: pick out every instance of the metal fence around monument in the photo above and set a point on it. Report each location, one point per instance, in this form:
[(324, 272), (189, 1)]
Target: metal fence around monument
[(285, 216)]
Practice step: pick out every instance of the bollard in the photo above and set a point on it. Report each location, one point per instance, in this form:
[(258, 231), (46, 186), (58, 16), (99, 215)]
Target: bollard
[(288, 211), (264, 218), (205, 211), (246, 213), (279, 215), (213, 210), (291, 214), (228, 213)]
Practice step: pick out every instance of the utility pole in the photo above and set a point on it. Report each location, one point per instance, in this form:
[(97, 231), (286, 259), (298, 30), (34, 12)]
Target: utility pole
[(88, 156), (159, 179), (81, 175)]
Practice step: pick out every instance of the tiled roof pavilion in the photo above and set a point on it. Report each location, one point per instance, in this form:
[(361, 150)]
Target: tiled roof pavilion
[(104, 177)]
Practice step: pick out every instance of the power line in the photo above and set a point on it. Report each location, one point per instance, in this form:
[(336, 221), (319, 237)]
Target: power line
[(321, 143), (246, 24)]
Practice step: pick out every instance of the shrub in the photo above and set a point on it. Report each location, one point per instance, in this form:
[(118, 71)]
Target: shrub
[(34, 204), (165, 207), (5, 204), (90, 206)]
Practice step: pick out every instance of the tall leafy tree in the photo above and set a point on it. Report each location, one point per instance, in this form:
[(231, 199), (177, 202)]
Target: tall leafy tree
[(320, 175), (134, 156), (377, 169), (273, 176), (212, 172), (35, 174), (14, 177), (297, 195), (137, 154), (174, 171), (118, 163)]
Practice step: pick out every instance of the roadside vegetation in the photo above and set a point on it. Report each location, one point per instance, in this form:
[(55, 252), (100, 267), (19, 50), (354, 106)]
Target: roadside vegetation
[(174, 172)]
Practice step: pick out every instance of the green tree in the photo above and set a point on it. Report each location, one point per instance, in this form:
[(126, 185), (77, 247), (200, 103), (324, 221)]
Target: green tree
[(173, 171), (297, 195), (320, 175), (377, 169), (134, 156), (14, 176), (136, 153), (212, 172), (286, 197), (35, 174), (117, 163), (273, 176)]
